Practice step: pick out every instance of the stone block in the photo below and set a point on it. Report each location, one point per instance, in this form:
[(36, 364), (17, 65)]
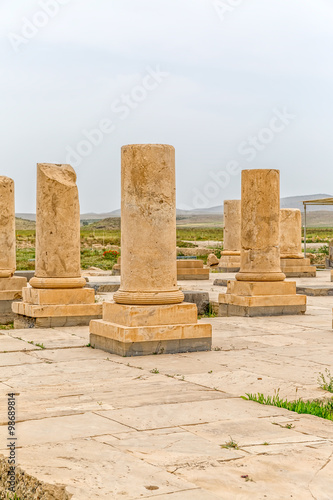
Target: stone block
[(135, 316), (192, 274), (25, 274), (13, 283), (189, 264), (147, 348), (62, 310), (23, 322), (67, 296), (266, 288), (227, 310), (200, 299)]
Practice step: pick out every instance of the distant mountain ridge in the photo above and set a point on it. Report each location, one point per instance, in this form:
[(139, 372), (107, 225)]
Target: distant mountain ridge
[(288, 202)]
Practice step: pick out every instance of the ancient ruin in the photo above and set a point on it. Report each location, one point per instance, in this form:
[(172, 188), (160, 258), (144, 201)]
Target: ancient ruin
[(293, 263), (260, 288), (56, 296), (148, 314), (230, 256), (191, 269), (10, 286)]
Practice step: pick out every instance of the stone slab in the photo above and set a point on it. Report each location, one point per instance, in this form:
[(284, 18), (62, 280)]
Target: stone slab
[(21, 321), (263, 300), (127, 349), (14, 283), (190, 277), (53, 297), (220, 282), (200, 299), (316, 291), (140, 316), (57, 311), (266, 310), (105, 287), (6, 314), (228, 269), (189, 264), (155, 333)]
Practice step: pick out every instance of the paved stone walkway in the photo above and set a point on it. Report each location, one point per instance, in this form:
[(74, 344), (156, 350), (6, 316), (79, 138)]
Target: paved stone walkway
[(108, 427)]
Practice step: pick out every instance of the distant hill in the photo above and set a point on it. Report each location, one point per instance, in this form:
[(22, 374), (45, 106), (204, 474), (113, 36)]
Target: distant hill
[(23, 224)]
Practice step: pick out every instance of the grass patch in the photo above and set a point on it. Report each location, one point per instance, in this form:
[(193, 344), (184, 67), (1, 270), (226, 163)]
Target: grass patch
[(25, 259), (10, 326), (325, 381), (322, 409), (230, 445)]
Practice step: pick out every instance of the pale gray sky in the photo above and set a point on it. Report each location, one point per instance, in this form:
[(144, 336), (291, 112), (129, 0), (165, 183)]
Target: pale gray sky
[(224, 73)]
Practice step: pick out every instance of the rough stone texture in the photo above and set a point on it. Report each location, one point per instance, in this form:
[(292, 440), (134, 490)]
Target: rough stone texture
[(188, 269), (148, 310), (293, 264), (212, 260), (260, 287), (57, 228), (230, 256), (148, 208), (200, 299), (7, 228), (290, 233), (56, 296)]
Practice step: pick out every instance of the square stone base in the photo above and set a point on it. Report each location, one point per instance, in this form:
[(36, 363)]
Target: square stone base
[(298, 268), (142, 330), (261, 299), (229, 264), (189, 273), (43, 308), (10, 291)]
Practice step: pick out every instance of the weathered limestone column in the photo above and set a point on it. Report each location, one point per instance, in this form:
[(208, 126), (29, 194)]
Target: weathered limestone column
[(148, 314), (57, 296), (58, 229), (148, 226), (230, 256), (10, 286), (293, 263), (260, 288)]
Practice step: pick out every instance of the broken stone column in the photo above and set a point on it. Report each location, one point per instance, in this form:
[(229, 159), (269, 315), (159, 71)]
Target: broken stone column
[(293, 263), (10, 286), (148, 314), (260, 288), (230, 256), (56, 296)]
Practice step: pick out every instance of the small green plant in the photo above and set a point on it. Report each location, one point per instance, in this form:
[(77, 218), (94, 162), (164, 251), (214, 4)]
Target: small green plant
[(324, 249), (265, 443), (10, 326), (210, 313), (322, 409), (230, 444), (11, 497), (325, 381), (42, 346), (155, 370)]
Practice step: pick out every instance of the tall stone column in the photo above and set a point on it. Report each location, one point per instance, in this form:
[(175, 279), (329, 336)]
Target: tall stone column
[(10, 286), (260, 288), (56, 296), (148, 226), (230, 256), (293, 263), (148, 315)]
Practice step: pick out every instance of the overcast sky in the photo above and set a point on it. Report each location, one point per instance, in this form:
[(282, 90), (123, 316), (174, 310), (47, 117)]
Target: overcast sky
[(230, 84)]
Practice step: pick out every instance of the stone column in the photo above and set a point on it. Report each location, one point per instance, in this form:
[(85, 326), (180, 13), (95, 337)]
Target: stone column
[(148, 226), (291, 233), (260, 288), (293, 263), (230, 256), (260, 240), (56, 296), (7, 228), (148, 315), (10, 286), (58, 229)]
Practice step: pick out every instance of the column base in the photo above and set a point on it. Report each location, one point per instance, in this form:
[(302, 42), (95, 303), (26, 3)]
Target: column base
[(10, 291), (298, 268), (129, 330), (229, 264), (42, 308), (188, 269), (261, 299)]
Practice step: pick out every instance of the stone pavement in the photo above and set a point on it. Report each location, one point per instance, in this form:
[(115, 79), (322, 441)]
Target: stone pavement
[(98, 426)]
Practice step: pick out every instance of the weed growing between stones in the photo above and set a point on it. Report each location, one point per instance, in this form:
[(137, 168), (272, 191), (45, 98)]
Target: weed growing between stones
[(322, 409), (325, 381)]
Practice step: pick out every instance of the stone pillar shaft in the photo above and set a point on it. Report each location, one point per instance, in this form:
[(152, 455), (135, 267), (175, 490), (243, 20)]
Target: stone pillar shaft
[(291, 233), (58, 228), (7, 228), (260, 234), (148, 226), (232, 227)]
